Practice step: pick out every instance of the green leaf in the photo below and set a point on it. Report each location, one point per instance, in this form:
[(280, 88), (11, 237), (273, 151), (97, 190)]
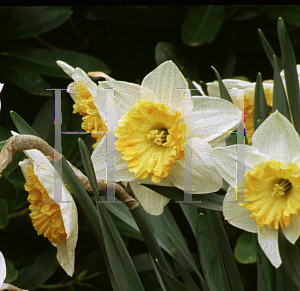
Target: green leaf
[(26, 21), (289, 254), (208, 255), (229, 261), (290, 73), (191, 215), (173, 283), (223, 91), (7, 191), (269, 51), (208, 201), (202, 24), (280, 102), (38, 272), (120, 261), (11, 272), (24, 77), (3, 214), (22, 126), (44, 60), (261, 110), (263, 268), (244, 250)]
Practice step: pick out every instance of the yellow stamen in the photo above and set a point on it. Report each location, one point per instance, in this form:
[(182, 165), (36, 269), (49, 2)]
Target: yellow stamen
[(275, 192), (84, 105), (46, 217), (150, 139)]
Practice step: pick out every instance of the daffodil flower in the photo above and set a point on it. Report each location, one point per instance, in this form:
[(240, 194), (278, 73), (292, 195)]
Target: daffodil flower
[(4, 286), (245, 104), (52, 216), (150, 130), (271, 184), (83, 91)]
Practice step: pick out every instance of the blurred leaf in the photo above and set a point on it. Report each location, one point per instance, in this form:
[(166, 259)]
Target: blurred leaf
[(7, 191), (44, 60), (208, 201), (11, 272), (24, 76), (261, 110), (290, 73), (3, 214), (38, 272), (136, 15), (290, 13), (207, 249), (202, 24), (289, 254), (244, 250), (22, 22), (173, 283), (269, 51)]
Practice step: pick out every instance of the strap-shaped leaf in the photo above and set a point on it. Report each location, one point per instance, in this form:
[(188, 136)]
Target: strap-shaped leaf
[(290, 73), (223, 91), (280, 102), (261, 111)]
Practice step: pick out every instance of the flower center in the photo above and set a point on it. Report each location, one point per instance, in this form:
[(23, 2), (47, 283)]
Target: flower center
[(275, 192), (151, 139), (84, 105), (46, 217), (159, 137)]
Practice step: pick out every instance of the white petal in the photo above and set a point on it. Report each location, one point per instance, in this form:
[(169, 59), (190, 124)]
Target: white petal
[(99, 159), (168, 85), (227, 161), (212, 117), (292, 232), (268, 240), (69, 70), (2, 269), (236, 214), (125, 96), (151, 201), (277, 138), (66, 257), (203, 176)]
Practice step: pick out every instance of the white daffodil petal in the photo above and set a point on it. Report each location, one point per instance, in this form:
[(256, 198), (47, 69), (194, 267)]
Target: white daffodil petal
[(277, 138), (268, 241), (2, 269), (151, 201), (169, 86), (292, 231), (69, 70), (125, 96), (212, 118), (204, 176), (237, 215), (226, 160), (66, 257)]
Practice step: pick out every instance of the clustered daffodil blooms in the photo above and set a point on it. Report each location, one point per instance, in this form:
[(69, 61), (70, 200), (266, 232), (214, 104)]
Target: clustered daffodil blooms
[(52, 216), (150, 131), (5, 286), (83, 91), (271, 184), (246, 103)]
